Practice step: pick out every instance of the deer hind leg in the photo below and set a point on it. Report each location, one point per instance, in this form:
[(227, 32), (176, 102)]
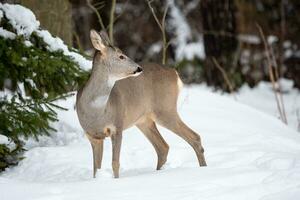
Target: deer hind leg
[(176, 125), (116, 140), (97, 147), (149, 129)]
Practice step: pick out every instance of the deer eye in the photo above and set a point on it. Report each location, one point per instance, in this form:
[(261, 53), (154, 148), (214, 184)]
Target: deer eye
[(121, 57)]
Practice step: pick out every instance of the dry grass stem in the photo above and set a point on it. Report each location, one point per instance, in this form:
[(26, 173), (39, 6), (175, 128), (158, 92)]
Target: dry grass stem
[(273, 77), (226, 78)]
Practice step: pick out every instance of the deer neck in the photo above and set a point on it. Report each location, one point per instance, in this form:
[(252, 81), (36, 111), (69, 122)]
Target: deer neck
[(97, 90)]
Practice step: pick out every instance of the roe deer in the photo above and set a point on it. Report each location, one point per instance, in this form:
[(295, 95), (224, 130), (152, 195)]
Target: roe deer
[(120, 94)]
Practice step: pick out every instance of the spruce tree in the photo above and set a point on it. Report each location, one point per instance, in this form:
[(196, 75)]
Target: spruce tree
[(32, 77)]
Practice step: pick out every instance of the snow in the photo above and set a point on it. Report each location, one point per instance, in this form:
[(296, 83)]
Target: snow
[(56, 44), (25, 23), (288, 53), (7, 34), (21, 18), (191, 5), (272, 39), (154, 49), (184, 48), (251, 39), (1, 15), (287, 44), (192, 50), (28, 43), (4, 139), (263, 92), (250, 154), (31, 82)]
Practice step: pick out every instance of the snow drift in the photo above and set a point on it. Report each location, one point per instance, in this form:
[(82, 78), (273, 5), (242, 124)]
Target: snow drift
[(250, 155)]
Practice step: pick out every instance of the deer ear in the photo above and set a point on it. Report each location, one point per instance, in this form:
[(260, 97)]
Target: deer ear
[(97, 41), (105, 37)]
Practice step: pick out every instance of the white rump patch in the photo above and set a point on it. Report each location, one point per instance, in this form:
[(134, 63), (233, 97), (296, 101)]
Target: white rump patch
[(179, 82)]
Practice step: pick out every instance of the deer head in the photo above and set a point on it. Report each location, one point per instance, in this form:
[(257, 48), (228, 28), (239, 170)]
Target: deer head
[(116, 64)]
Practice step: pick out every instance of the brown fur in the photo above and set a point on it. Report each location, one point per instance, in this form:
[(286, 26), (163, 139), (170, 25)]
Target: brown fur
[(143, 101)]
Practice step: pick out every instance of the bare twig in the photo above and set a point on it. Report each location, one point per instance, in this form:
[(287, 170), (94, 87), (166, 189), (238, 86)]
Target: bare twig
[(162, 28), (165, 43), (277, 76), (224, 74), (274, 82), (111, 21), (99, 5)]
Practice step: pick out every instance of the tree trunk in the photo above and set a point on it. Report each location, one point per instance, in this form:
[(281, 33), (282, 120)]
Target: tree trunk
[(219, 27), (55, 16)]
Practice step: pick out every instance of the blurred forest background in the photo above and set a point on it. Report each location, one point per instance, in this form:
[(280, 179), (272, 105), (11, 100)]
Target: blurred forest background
[(208, 40)]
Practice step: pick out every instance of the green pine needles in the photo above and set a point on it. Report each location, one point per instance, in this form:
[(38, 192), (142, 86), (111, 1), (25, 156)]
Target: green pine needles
[(33, 78)]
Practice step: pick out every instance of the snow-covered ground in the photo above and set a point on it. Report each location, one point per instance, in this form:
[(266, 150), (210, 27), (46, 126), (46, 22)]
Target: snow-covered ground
[(250, 154), (262, 98)]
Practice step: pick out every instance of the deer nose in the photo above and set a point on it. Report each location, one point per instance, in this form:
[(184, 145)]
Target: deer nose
[(138, 70)]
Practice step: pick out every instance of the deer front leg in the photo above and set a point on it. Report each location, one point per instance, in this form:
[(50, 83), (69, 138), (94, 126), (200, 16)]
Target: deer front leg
[(116, 140), (97, 147), (97, 155)]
